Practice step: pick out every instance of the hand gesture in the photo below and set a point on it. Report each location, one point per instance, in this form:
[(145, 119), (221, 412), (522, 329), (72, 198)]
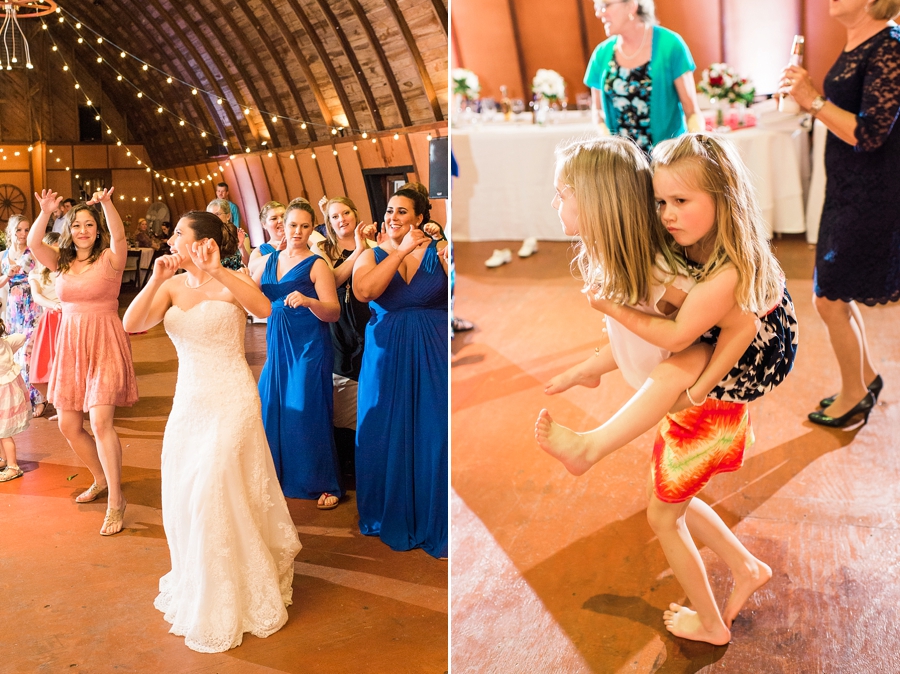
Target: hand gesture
[(205, 255), (49, 201), (103, 196), (166, 265), (296, 299), (282, 244), (241, 235), (444, 254), (14, 270), (360, 235), (371, 231), (433, 230), (415, 238), (322, 202)]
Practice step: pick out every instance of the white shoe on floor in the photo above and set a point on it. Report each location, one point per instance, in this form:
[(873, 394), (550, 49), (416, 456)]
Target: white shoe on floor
[(499, 258), (529, 247)]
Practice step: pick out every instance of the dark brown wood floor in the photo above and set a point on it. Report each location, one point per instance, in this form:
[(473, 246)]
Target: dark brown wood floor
[(74, 601), (552, 573)]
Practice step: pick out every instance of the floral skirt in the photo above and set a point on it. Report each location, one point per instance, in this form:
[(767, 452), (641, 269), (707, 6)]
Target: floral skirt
[(694, 444)]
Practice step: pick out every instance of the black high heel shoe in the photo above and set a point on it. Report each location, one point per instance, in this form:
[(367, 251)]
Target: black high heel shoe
[(864, 406), (875, 387)]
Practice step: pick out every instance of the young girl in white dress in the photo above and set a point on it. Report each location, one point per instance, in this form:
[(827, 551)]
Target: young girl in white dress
[(15, 404)]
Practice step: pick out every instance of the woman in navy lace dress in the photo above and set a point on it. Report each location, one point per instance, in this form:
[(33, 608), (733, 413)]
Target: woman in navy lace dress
[(858, 252)]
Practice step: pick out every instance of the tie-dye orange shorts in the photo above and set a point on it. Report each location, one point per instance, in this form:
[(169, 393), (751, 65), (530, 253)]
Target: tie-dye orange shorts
[(694, 444)]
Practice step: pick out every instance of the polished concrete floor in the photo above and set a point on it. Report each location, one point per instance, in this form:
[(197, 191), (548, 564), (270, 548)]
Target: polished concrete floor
[(552, 573), (75, 601)]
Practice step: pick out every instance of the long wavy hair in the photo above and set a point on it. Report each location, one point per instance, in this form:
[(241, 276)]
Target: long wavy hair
[(67, 250), (330, 245), (711, 164), (621, 241)]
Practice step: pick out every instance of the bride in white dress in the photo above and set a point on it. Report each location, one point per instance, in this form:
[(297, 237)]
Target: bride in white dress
[(231, 538)]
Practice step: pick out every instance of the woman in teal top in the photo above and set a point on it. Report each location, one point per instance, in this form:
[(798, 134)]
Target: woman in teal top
[(642, 75)]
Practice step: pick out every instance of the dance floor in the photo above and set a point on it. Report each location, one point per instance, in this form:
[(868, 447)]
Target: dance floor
[(552, 573), (75, 601)]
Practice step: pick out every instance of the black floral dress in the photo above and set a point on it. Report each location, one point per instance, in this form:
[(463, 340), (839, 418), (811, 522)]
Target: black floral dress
[(858, 252), (630, 90)]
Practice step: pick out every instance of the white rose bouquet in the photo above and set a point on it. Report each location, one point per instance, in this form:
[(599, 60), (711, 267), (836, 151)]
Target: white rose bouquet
[(549, 84), (465, 83)]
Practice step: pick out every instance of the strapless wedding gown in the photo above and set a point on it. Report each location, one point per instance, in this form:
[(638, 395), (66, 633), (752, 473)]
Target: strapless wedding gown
[(231, 538)]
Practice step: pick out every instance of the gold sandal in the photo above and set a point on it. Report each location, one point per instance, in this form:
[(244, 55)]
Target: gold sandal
[(113, 516), (90, 494)]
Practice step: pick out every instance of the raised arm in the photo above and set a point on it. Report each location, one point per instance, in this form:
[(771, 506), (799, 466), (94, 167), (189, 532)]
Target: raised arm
[(370, 279), (205, 254), (342, 273), (705, 306), (46, 255), (150, 306), (118, 246)]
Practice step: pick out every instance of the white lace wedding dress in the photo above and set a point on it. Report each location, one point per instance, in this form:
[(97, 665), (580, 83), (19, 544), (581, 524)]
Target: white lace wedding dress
[(231, 538)]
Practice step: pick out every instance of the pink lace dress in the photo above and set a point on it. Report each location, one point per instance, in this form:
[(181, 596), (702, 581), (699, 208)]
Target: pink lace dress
[(93, 363)]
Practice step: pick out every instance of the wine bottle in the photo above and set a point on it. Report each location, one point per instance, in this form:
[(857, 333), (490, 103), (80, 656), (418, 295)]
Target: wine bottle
[(505, 104), (787, 103)]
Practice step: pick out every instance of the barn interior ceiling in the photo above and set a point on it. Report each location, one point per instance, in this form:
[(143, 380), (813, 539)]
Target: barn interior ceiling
[(184, 78)]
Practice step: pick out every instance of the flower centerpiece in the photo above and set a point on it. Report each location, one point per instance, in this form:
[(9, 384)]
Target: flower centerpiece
[(465, 83), (549, 85), (725, 85)]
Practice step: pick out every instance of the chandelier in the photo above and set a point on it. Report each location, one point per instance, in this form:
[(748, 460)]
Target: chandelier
[(14, 52)]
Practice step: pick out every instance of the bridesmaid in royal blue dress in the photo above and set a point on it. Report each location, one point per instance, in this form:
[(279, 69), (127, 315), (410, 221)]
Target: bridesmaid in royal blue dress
[(401, 437), (295, 384)]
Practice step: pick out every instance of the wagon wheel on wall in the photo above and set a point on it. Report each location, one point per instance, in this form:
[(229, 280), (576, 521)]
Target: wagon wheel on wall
[(12, 202)]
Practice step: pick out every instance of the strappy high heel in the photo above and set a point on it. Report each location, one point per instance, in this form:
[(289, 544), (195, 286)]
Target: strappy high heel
[(875, 387), (864, 406)]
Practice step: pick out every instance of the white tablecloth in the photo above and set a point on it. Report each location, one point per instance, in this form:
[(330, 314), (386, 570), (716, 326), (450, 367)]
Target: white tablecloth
[(505, 182), (816, 198)]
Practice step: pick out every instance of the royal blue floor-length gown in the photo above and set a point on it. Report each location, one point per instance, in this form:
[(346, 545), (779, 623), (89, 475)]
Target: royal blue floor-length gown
[(295, 387), (401, 436)]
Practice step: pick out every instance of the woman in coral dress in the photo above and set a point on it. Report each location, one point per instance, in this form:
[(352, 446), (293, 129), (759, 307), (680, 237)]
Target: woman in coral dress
[(93, 372)]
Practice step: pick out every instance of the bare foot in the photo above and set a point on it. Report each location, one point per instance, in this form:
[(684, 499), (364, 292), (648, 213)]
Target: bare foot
[(685, 623), (577, 375), (562, 443), (744, 585)]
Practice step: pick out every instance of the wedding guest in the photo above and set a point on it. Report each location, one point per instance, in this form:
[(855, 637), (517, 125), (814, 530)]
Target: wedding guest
[(96, 375), (222, 193), (60, 218), (15, 407), (857, 255), (401, 436), (272, 218), (22, 313), (295, 383), (345, 241), (143, 238), (641, 77), (219, 208), (43, 350)]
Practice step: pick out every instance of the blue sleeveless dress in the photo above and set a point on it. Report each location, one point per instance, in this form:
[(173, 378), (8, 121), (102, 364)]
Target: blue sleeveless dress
[(401, 436), (295, 387)]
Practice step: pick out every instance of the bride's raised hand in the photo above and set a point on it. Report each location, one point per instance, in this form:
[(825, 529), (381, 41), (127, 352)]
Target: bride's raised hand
[(103, 196), (166, 265), (205, 255), (49, 200)]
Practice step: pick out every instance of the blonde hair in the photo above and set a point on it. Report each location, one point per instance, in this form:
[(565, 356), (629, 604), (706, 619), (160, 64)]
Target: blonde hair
[(884, 10), (711, 164), (265, 209), (621, 239), (11, 225), (330, 245)]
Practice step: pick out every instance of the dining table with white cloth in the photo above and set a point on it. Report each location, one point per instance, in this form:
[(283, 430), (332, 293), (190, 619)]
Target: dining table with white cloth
[(143, 264), (505, 182)]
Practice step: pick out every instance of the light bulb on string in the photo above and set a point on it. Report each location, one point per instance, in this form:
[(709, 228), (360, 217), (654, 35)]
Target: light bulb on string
[(65, 68), (274, 119), (54, 47), (219, 101), (303, 126), (365, 135), (99, 40), (145, 67), (334, 152), (333, 131), (354, 147), (428, 137), (78, 25), (88, 102), (108, 131), (270, 154), (374, 140), (180, 122), (99, 59), (246, 111), (247, 149), (80, 40), (168, 80), (119, 78), (159, 109), (194, 92), (119, 143), (292, 155), (396, 136), (122, 54), (140, 94), (203, 134), (313, 155)]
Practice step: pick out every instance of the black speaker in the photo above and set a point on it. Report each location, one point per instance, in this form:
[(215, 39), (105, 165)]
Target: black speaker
[(439, 168), (217, 150), (88, 125)]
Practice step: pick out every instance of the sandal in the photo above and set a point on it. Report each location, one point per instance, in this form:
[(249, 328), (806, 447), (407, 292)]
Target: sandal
[(10, 473), (113, 516), (37, 414), (90, 494), (3, 463), (326, 504)]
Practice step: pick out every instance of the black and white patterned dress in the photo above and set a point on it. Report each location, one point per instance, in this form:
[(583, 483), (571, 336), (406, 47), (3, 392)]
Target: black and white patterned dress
[(768, 359)]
